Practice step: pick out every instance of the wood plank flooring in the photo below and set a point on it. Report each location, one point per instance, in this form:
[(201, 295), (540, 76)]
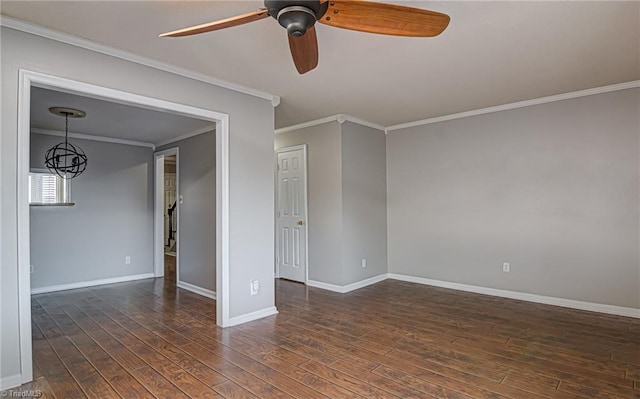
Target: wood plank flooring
[(146, 339), (170, 268)]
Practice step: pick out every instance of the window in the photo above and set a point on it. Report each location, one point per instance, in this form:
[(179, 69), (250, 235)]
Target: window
[(48, 189)]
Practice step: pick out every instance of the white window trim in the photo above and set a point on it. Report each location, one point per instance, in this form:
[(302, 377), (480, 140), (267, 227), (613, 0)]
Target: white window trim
[(66, 200)]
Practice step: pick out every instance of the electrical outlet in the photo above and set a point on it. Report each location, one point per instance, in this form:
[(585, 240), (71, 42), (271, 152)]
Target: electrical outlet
[(363, 263), (127, 260), (506, 267), (31, 270), (255, 287)]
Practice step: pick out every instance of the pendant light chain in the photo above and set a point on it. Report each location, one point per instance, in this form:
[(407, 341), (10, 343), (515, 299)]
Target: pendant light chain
[(66, 140), (66, 127)]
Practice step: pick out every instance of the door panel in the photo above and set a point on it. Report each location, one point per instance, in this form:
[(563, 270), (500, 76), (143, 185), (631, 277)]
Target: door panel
[(291, 218)]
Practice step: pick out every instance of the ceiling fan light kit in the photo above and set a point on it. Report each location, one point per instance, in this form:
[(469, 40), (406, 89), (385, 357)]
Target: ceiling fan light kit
[(299, 18)]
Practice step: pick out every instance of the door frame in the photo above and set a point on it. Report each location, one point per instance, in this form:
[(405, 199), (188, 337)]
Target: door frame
[(158, 212), (28, 79), (305, 188)]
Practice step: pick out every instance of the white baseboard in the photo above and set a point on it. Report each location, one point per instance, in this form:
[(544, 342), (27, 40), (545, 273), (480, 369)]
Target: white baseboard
[(258, 314), (326, 286), (11, 381), (547, 300), (197, 290), (342, 289), (92, 283)]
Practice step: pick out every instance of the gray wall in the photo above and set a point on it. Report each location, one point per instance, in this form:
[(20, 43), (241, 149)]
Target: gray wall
[(197, 214), (112, 218), (364, 202), (347, 200), (251, 199), (552, 189), (324, 170)]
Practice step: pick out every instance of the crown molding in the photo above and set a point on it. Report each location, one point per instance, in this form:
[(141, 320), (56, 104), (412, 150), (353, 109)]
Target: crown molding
[(362, 122), (520, 104), (315, 122), (197, 132), (23, 26), (340, 118), (91, 137)]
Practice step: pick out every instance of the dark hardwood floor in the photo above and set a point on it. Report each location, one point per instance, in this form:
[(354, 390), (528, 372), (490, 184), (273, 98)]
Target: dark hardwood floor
[(169, 269), (146, 339)]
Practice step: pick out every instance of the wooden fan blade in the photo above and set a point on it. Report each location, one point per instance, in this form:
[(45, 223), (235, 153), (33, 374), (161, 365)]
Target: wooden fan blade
[(221, 24), (385, 19), (304, 50)]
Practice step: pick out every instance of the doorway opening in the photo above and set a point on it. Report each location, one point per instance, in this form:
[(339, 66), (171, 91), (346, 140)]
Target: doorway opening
[(170, 218), (167, 209), (29, 80), (170, 206)]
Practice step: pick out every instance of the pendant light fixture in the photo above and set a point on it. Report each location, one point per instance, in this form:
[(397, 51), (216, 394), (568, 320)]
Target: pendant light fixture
[(65, 159)]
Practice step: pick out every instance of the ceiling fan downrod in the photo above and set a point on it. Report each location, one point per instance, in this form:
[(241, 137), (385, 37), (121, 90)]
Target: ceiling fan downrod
[(296, 16), (296, 20)]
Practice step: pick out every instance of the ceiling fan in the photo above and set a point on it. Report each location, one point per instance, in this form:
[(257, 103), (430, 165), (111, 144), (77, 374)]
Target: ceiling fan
[(299, 17)]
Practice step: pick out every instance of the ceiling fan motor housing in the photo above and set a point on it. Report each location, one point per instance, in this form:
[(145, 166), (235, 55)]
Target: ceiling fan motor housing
[(296, 16)]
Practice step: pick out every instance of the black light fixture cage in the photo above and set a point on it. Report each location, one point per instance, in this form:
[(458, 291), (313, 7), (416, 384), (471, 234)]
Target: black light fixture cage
[(65, 159)]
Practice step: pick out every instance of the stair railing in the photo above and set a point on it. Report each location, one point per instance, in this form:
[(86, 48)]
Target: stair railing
[(170, 211)]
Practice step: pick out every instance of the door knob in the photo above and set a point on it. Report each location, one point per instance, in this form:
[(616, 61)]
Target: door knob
[(300, 223)]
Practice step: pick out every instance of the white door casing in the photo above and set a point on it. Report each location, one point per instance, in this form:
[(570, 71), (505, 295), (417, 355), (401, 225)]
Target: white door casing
[(291, 213), (29, 79)]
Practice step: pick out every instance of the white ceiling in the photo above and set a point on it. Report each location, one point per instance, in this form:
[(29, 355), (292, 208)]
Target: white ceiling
[(108, 119), (492, 53)]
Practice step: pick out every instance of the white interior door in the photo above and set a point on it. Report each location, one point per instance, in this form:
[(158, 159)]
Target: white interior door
[(291, 214)]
